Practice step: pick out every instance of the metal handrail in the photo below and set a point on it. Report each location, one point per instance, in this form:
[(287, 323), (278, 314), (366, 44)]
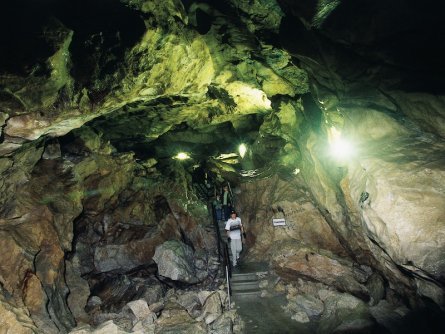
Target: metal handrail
[(224, 254), (218, 234)]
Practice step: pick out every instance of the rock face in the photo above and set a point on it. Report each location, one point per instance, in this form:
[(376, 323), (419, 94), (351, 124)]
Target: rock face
[(289, 260), (84, 188), (175, 261), (260, 202), (96, 98)]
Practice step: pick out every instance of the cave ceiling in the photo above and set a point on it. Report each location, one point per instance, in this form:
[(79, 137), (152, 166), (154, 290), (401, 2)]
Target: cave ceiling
[(159, 77)]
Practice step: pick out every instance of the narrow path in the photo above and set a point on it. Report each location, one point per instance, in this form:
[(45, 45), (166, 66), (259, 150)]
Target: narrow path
[(261, 315)]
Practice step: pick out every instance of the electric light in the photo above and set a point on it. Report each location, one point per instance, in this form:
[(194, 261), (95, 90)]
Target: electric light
[(340, 148), (242, 149), (182, 156)]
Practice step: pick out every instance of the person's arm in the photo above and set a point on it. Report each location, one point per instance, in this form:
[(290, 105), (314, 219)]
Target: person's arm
[(227, 228)]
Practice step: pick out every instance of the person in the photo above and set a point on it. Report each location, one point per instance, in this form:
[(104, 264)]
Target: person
[(226, 202), (218, 207), (235, 230)]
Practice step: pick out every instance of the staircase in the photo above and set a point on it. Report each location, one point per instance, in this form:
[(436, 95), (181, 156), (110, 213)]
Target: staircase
[(245, 285), (223, 234)]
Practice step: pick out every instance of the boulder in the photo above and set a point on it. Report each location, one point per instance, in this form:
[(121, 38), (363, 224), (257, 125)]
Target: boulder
[(153, 294), (138, 309), (203, 295), (144, 327), (213, 304), (190, 301), (343, 311), (175, 261), (156, 307), (84, 329), (94, 301), (376, 288), (222, 325), (109, 327), (174, 319), (122, 257), (301, 317), (310, 305), (99, 318)]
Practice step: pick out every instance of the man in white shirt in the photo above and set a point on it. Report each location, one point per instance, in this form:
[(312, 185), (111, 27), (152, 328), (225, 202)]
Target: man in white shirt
[(234, 230)]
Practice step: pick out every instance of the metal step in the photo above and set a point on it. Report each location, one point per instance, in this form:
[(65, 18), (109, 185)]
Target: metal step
[(244, 277), (245, 286), (248, 293)]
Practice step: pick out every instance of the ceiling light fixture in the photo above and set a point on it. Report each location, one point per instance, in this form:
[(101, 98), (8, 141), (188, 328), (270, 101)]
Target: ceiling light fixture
[(340, 148), (182, 156), (242, 149)]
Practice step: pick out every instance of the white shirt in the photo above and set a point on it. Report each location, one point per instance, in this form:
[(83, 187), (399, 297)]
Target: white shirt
[(235, 234)]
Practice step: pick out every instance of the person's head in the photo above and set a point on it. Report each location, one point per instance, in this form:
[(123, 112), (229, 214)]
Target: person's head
[(225, 188), (233, 214)]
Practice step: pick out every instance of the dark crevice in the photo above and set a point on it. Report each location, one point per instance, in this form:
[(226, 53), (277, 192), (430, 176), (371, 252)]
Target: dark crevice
[(204, 21)]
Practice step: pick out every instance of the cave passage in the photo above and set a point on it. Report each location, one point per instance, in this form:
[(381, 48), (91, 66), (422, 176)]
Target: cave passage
[(130, 130)]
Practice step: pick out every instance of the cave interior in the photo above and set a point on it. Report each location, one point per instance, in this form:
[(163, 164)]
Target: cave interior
[(121, 120)]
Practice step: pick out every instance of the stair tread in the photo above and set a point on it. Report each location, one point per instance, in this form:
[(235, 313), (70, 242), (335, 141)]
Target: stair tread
[(246, 293), (245, 282), (244, 277), (252, 289)]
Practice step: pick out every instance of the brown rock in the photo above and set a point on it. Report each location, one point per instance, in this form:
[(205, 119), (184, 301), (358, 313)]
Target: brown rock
[(292, 262), (36, 300), (79, 288), (15, 320), (261, 201)]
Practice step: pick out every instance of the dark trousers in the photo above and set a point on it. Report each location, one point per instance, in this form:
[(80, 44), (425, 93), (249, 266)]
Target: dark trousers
[(226, 211)]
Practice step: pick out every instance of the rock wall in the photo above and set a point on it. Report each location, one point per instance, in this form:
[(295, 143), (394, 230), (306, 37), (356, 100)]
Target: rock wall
[(145, 79), (261, 201), (79, 213)]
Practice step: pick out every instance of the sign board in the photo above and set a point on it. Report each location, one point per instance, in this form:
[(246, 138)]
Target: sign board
[(279, 222)]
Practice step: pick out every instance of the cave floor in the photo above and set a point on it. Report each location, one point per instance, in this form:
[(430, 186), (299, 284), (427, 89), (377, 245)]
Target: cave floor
[(263, 315), (266, 315)]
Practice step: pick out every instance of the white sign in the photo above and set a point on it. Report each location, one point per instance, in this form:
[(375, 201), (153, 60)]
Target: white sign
[(279, 222)]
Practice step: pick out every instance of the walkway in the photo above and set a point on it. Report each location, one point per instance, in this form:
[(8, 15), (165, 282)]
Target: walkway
[(262, 315)]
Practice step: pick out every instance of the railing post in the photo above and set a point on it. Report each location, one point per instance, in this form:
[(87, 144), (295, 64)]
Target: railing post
[(228, 286)]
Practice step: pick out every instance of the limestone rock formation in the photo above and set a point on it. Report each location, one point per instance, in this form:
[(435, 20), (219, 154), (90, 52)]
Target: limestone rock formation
[(175, 261), (97, 98)]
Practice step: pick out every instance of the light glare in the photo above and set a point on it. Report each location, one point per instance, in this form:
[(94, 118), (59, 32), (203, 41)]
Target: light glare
[(340, 148), (182, 156), (242, 150)]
